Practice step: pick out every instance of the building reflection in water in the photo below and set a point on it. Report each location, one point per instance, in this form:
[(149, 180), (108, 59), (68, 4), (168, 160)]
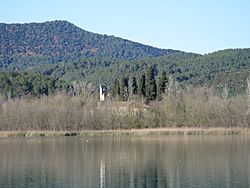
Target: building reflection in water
[(112, 162), (102, 174)]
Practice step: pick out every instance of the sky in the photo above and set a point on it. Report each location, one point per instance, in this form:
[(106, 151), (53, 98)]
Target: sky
[(200, 26)]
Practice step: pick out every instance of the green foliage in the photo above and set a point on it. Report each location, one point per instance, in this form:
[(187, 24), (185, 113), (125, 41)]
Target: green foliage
[(20, 84), (123, 88), (134, 86), (231, 67), (33, 44), (142, 86), (115, 89), (161, 84), (151, 90), (60, 49)]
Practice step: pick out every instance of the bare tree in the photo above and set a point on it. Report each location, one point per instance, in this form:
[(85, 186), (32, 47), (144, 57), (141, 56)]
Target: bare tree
[(81, 88)]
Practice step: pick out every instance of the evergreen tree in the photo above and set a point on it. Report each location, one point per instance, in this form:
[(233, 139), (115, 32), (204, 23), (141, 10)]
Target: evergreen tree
[(151, 89), (123, 89), (142, 86), (161, 84), (20, 84), (115, 88), (134, 86)]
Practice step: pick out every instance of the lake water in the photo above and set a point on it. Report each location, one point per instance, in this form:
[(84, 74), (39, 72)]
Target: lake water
[(185, 161)]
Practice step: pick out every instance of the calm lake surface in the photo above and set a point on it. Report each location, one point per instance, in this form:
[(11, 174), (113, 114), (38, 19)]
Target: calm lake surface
[(184, 161)]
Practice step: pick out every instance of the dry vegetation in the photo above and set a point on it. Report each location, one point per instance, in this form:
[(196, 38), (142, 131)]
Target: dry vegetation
[(189, 108)]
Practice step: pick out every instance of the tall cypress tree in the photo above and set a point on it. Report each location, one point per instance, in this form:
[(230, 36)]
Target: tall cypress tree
[(123, 89), (151, 89), (134, 86), (142, 86), (115, 88), (161, 84)]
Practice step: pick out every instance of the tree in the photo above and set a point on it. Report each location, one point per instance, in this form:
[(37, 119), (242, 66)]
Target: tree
[(21, 84), (161, 84), (123, 88), (142, 86), (133, 87), (151, 89), (115, 88)]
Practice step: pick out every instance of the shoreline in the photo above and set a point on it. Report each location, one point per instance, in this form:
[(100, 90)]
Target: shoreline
[(129, 132)]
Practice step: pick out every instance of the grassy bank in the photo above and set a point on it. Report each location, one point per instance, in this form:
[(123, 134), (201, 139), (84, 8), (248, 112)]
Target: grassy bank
[(130, 132)]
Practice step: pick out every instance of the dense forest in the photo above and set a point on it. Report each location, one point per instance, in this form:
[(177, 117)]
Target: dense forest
[(227, 67), (23, 84), (61, 50), (26, 45), (230, 67)]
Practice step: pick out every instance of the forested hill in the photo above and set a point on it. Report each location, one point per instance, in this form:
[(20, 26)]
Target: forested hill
[(231, 67), (60, 41), (63, 51)]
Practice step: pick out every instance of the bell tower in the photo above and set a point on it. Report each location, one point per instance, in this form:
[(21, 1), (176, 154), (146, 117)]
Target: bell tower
[(103, 92)]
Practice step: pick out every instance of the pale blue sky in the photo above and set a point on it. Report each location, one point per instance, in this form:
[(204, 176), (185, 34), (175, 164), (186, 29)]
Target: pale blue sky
[(199, 26)]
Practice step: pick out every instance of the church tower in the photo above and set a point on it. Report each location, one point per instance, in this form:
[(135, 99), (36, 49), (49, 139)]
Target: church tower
[(103, 92)]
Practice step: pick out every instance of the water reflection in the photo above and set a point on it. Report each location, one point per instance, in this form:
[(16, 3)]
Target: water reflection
[(102, 174), (210, 161)]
